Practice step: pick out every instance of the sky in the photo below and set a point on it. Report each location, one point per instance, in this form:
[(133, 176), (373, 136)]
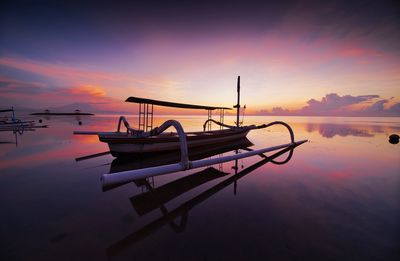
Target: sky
[(294, 57)]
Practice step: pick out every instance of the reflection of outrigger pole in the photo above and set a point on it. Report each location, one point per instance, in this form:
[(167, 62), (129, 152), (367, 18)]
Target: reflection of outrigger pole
[(155, 197), (183, 209)]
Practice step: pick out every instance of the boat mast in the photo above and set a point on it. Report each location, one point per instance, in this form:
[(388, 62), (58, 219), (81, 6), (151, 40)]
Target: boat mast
[(238, 102)]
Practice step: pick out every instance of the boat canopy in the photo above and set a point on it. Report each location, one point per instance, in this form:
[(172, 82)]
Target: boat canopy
[(173, 104)]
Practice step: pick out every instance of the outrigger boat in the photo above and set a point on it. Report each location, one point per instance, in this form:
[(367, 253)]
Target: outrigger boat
[(141, 142), (147, 139), (16, 125)]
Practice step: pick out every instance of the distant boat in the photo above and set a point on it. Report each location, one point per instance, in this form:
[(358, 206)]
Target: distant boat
[(13, 124), (16, 125), (48, 112)]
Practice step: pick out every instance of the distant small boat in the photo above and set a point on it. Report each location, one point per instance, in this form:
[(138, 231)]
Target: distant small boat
[(16, 125), (75, 113), (13, 124)]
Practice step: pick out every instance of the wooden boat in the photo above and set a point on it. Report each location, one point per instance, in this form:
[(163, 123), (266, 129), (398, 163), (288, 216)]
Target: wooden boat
[(122, 143), (146, 139)]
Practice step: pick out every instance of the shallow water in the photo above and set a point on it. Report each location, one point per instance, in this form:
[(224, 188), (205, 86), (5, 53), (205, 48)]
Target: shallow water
[(337, 198)]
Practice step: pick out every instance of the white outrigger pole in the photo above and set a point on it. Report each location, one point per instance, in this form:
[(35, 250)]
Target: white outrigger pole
[(130, 175), (123, 177)]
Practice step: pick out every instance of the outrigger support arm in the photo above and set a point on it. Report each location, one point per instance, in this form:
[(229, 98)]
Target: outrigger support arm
[(128, 127), (218, 123), (158, 130), (253, 127), (182, 138)]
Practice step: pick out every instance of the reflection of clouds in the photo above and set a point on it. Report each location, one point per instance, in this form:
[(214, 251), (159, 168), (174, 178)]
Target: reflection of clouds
[(329, 130)]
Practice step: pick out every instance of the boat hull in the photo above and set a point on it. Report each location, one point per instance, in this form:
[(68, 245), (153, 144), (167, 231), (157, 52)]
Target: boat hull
[(122, 144)]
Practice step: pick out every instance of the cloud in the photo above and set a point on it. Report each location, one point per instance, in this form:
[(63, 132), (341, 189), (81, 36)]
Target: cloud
[(335, 105), (80, 82), (8, 84), (56, 70), (87, 90), (280, 111), (333, 102), (38, 95), (377, 106), (72, 74), (395, 109)]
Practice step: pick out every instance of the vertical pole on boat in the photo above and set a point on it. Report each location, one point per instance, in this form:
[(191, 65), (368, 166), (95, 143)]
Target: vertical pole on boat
[(238, 102), (140, 115), (152, 109), (13, 113), (237, 125), (147, 117)]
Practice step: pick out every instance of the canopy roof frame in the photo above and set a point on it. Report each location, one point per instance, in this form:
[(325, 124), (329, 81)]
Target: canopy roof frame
[(146, 111), (174, 104)]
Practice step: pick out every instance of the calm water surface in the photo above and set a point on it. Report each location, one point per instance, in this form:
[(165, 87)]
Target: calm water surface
[(337, 198)]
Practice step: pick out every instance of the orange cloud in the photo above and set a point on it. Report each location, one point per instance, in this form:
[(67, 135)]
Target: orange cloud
[(88, 90)]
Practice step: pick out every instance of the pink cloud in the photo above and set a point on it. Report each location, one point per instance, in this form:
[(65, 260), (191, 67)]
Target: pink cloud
[(13, 84), (347, 105), (55, 70), (73, 74), (38, 95)]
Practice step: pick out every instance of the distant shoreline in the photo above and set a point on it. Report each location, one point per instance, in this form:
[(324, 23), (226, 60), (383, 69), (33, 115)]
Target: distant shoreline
[(61, 113)]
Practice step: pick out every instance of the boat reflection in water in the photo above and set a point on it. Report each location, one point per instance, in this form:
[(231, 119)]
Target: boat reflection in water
[(157, 197)]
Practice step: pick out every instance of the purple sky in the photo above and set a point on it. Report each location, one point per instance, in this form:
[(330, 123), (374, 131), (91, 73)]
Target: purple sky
[(294, 57)]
